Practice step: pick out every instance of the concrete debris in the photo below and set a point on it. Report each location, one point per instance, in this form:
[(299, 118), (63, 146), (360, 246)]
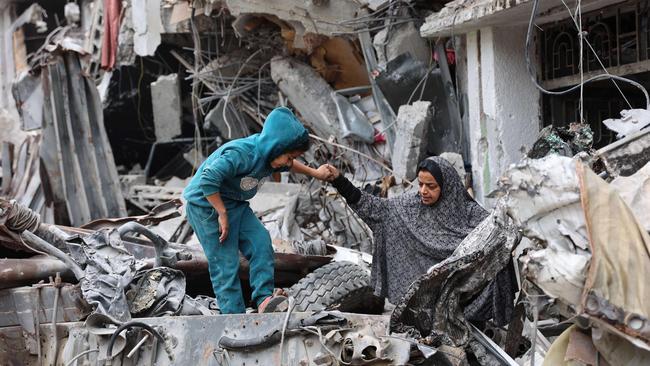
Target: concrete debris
[(543, 198), (72, 13), (406, 80), (166, 103), (339, 61), (631, 121), (319, 17), (413, 125), (93, 233), (626, 156), (147, 26), (309, 93), (565, 141), (400, 39), (354, 122), (273, 196), (456, 161)]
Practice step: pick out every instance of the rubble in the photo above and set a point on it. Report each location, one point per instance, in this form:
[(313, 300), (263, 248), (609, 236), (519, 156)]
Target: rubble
[(631, 121), (626, 156), (75, 148), (309, 93), (100, 265), (166, 103), (413, 126), (405, 38), (319, 17), (547, 207), (147, 26), (567, 210), (566, 141), (635, 191)]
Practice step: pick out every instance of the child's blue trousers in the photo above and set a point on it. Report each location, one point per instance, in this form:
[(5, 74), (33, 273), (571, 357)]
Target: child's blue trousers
[(246, 234)]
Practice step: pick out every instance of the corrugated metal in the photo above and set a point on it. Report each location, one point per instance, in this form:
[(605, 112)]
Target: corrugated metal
[(78, 158)]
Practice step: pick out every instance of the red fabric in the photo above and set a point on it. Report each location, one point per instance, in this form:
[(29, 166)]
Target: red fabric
[(112, 11)]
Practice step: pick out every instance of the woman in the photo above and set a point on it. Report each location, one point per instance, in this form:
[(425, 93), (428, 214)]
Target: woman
[(414, 231)]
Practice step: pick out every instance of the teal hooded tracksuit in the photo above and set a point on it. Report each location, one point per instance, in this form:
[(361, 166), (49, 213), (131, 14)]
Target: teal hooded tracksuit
[(235, 171)]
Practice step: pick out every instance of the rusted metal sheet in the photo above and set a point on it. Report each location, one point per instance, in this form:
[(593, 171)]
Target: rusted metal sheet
[(85, 170)]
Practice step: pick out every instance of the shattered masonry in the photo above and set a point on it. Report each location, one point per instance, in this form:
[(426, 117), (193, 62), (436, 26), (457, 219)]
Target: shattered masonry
[(108, 107)]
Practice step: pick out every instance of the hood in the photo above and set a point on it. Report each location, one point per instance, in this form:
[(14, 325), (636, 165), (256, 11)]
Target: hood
[(282, 132)]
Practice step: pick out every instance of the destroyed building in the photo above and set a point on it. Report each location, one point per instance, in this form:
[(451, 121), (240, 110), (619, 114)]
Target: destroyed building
[(504, 48), (108, 107)]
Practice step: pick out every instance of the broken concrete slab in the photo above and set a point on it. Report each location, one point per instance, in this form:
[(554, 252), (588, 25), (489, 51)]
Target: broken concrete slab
[(393, 41), (308, 93), (166, 103), (456, 160), (272, 196), (413, 125), (147, 26), (406, 79), (320, 17)]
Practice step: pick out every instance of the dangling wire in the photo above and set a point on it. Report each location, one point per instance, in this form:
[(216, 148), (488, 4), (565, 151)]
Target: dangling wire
[(580, 63)]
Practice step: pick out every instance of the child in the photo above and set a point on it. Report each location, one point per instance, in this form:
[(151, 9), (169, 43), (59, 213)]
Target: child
[(218, 210)]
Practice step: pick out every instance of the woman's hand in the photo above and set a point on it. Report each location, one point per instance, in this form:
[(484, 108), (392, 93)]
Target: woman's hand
[(333, 172), (323, 173), (223, 227)]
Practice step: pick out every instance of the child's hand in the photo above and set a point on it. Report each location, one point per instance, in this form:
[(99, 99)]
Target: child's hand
[(223, 227), (334, 173), (323, 173)]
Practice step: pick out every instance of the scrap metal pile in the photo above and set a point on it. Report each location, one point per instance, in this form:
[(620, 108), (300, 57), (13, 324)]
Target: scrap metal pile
[(101, 267)]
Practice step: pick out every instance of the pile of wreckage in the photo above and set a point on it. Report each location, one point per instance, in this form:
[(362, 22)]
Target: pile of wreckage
[(100, 266)]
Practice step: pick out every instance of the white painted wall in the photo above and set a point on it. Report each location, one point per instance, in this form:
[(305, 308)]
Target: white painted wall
[(9, 119), (6, 55), (503, 104)]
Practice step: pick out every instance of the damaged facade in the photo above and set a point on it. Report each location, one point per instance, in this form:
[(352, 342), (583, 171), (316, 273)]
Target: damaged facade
[(108, 108)]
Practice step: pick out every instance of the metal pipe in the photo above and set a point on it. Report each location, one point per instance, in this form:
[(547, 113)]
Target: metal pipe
[(41, 245), (55, 312), (137, 346), (75, 358), (159, 244), (25, 271)]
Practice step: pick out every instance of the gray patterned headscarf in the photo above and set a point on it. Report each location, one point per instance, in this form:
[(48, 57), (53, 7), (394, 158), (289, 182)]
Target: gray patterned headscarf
[(443, 225)]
